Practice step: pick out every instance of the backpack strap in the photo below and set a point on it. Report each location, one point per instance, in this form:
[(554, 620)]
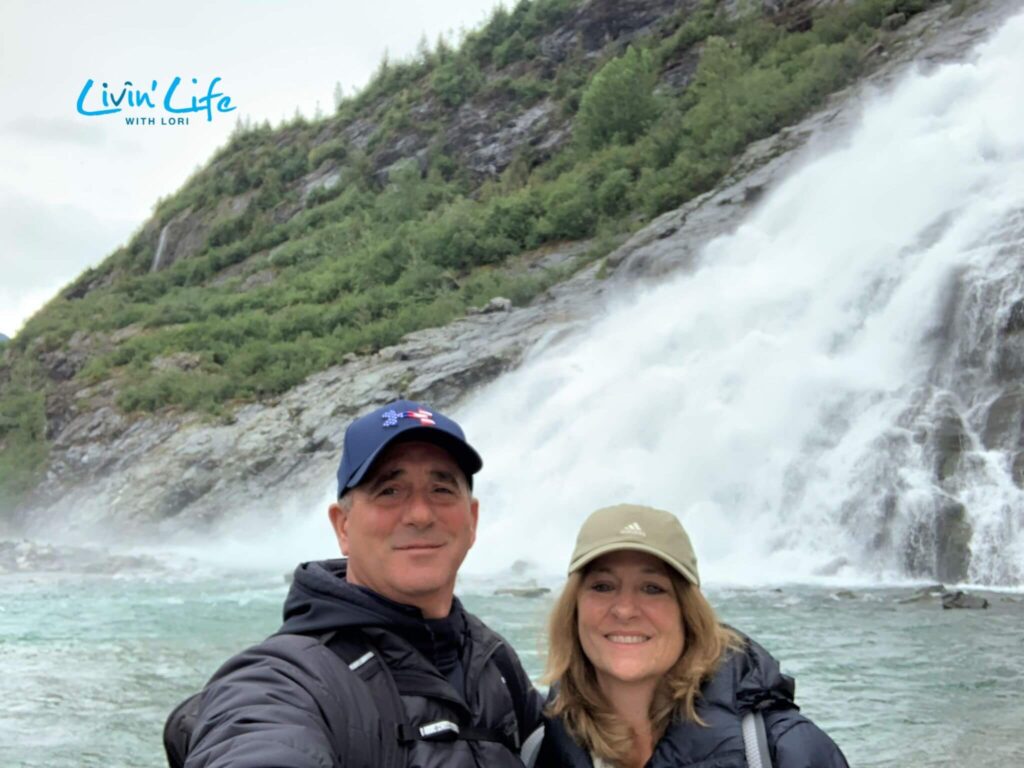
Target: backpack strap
[(362, 658), (531, 747), (360, 655), (755, 740), (503, 658)]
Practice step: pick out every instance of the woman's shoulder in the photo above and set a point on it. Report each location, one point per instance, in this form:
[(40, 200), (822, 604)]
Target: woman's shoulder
[(796, 742), (749, 678), (559, 749), (758, 684)]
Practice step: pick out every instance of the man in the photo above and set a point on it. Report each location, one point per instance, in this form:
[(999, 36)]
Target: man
[(377, 663)]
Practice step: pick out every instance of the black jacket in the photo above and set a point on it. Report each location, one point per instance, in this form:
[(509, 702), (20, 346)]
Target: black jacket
[(290, 702), (744, 682)]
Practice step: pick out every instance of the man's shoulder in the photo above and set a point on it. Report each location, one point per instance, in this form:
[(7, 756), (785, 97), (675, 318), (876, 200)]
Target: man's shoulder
[(304, 653), (285, 643)]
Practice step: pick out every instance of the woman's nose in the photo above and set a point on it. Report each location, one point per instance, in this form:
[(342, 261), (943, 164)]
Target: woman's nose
[(624, 606)]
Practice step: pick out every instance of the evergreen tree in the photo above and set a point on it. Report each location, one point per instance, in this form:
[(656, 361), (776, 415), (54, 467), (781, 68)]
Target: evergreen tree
[(619, 103)]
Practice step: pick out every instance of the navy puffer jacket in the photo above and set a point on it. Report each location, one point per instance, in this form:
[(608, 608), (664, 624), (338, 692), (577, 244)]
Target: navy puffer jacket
[(745, 681)]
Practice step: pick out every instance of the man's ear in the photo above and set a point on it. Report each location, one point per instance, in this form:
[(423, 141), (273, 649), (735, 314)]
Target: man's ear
[(339, 522), (474, 511)]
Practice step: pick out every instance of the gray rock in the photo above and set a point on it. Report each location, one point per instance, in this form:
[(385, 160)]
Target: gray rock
[(327, 176), (258, 279), (953, 534), (1003, 421), (522, 591), (497, 304), (894, 21), (1015, 318), (181, 361), (496, 150), (964, 600), (924, 594), (939, 545)]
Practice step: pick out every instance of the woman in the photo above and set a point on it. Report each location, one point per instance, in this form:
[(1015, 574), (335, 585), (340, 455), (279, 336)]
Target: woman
[(644, 674)]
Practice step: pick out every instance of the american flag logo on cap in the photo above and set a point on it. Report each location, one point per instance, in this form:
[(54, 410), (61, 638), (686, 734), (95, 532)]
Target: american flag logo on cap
[(424, 416)]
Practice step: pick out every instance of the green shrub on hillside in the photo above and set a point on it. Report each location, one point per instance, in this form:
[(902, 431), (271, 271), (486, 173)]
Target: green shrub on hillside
[(334, 149), (619, 104), (456, 80), (23, 447)]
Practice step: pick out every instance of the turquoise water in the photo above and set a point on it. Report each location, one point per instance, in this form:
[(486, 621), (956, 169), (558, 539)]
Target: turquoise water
[(92, 664)]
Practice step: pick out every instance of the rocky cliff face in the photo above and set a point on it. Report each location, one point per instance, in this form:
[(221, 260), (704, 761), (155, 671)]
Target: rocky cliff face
[(164, 472), (484, 135)]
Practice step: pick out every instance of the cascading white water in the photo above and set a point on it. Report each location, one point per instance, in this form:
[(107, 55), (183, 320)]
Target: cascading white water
[(782, 397), (159, 255)]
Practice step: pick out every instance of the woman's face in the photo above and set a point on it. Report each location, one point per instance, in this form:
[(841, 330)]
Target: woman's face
[(629, 621)]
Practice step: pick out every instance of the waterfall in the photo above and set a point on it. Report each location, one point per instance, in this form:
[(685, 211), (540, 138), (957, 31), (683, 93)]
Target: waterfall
[(158, 256), (836, 389)]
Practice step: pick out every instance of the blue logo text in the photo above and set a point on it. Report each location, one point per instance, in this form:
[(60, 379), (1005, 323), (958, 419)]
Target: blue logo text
[(107, 102)]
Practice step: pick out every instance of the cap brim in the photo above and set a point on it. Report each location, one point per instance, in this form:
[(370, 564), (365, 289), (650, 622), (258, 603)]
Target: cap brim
[(469, 461), (617, 546)]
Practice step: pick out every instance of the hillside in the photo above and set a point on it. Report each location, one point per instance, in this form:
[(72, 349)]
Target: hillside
[(452, 179)]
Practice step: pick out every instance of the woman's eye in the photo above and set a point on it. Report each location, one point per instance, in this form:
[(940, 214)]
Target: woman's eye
[(654, 589), (601, 586)]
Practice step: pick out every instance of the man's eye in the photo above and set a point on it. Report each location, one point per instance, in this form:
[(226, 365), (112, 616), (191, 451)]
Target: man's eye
[(443, 489), (388, 491)]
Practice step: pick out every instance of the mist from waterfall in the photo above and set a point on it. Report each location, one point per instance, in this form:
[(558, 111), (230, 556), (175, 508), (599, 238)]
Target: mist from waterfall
[(779, 396)]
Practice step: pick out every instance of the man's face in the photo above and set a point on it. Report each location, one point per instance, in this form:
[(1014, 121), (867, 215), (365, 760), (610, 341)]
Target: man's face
[(409, 526)]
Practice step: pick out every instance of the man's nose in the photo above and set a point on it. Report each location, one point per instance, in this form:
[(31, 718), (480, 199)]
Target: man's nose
[(419, 512)]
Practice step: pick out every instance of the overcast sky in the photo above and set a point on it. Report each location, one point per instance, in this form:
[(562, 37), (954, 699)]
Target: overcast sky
[(73, 188)]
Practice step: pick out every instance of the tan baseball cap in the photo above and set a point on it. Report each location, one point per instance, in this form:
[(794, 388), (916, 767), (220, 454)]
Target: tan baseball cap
[(644, 529)]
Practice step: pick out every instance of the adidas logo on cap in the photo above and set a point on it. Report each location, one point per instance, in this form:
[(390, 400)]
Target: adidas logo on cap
[(634, 529)]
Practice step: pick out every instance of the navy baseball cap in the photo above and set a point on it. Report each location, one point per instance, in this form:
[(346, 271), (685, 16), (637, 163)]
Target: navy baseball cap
[(369, 435)]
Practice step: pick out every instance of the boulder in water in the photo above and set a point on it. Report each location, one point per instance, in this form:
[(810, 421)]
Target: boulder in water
[(960, 599), (924, 593), (522, 591)]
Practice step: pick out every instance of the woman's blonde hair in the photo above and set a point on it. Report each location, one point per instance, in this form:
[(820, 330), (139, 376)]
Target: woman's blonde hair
[(587, 715)]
